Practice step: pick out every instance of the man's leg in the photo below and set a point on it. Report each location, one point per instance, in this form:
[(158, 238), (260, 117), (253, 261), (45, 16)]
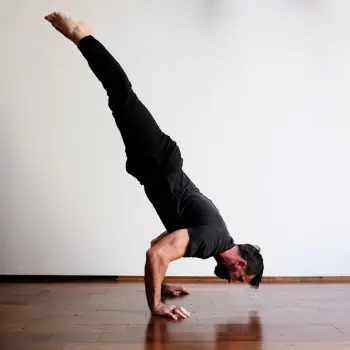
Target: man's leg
[(147, 147), (138, 128)]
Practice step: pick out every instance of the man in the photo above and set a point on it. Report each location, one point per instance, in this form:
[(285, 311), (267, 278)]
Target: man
[(194, 226)]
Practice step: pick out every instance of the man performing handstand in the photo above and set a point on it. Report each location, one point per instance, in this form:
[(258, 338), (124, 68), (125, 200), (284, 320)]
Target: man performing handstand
[(194, 226)]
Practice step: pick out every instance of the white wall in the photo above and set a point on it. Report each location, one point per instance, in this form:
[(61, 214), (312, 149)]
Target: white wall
[(255, 93)]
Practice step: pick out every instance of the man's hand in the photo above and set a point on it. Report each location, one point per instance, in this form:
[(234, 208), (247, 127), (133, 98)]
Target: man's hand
[(170, 311), (173, 291)]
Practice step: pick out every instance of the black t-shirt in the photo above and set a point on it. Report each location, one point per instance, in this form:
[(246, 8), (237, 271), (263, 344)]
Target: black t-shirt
[(178, 202), (180, 205)]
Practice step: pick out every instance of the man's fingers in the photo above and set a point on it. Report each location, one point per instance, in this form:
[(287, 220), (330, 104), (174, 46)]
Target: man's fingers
[(172, 311), (187, 313), (180, 313), (180, 291), (173, 316)]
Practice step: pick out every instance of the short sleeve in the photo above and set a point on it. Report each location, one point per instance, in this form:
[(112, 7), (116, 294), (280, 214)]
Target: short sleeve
[(207, 241)]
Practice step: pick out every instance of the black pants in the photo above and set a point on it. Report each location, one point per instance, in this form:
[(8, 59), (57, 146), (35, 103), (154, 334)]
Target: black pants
[(150, 152)]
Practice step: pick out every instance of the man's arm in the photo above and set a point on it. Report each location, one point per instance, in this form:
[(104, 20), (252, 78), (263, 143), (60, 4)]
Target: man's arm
[(167, 289), (171, 247), (157, 239)]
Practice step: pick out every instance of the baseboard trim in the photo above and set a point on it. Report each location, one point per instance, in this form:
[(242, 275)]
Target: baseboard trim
[(173, 279), (56, 278), (267, 279)]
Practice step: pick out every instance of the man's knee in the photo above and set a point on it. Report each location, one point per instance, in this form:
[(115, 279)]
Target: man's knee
[(145, 167)]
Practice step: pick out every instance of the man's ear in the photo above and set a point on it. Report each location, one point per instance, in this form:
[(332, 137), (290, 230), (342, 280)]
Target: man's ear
[(242, 263)]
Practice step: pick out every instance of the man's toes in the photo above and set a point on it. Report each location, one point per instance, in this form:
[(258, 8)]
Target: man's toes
[(61, 16), (56, 17), (50, 17)]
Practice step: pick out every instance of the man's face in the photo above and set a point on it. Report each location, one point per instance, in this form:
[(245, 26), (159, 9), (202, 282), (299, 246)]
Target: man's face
[(236, 273)]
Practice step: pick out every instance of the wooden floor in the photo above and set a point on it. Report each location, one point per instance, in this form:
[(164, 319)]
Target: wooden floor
[(96, 316)]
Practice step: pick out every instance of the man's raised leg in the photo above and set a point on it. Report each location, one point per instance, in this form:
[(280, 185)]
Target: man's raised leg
[(141, 134)]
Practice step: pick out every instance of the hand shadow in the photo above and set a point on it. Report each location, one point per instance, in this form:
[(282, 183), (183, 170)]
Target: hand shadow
[(172, 297)]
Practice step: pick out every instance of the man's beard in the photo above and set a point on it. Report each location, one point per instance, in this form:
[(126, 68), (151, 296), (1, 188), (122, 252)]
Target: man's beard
[(221, 271)]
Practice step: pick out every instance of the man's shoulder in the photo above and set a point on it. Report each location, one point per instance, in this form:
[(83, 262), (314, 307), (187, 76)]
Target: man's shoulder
[(208, 240)]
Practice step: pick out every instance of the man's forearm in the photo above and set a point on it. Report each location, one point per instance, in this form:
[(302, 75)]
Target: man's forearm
[(155, 269)]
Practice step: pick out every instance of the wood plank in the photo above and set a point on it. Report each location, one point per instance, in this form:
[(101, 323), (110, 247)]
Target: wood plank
[(103, 316)]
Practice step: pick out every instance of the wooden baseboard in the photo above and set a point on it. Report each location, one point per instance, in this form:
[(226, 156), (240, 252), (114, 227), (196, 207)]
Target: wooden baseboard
[(57, 279), (173, 279), (268, 279)]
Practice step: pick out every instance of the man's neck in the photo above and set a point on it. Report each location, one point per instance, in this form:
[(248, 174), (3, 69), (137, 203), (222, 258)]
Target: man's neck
[(226, 257)]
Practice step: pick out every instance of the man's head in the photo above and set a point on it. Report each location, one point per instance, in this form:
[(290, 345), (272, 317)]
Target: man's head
[(244, 264)]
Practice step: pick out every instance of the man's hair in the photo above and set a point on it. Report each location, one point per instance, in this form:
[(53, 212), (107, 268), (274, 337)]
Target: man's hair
[(255, 264)]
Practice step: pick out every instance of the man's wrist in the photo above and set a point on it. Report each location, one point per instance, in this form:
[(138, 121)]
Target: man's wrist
[(157, 306)]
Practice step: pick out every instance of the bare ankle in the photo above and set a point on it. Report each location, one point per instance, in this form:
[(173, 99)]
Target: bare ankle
[(77, 38)]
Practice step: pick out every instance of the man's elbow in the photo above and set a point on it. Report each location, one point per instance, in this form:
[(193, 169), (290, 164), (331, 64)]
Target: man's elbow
[(155, 255)]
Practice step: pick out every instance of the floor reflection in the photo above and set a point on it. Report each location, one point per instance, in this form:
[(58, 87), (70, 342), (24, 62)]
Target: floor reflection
[(245, 333)]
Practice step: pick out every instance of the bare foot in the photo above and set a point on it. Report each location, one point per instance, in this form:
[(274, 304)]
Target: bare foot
[(71, 29)]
